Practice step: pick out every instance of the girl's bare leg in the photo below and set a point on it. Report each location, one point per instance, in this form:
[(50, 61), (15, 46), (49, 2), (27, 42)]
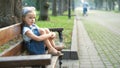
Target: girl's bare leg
[(59, 48), (51, 49)]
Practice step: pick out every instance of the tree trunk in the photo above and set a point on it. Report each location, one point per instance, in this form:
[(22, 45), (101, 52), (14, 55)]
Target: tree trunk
[(119, 5), (106, 7), (10, 12), (65, 4), (113, 4), (60, 7), (73, 5), (98, 4), (54, 8), (43, 10), (38, 4)]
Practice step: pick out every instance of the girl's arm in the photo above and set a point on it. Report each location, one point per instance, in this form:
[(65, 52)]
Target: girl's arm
[(47, 31), (38, 38)]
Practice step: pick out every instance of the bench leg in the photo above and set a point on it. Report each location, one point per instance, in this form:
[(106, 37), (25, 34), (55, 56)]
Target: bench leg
[(60, 61), (43, 66), (60, 36)]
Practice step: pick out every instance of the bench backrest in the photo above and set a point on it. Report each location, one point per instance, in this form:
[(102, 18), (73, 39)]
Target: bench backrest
[(9, 33)]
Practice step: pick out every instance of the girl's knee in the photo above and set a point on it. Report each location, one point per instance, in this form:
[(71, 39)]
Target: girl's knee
[(47, 30), (42, 31)]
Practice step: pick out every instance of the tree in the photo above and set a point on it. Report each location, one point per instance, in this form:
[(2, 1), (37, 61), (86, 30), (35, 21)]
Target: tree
[(44, 5), (107, 4), (98, 4), (29, 2), (60, 6), (73, 5), (111, 4), (119, 5), (37, 4), (10, 12), (54, 8)]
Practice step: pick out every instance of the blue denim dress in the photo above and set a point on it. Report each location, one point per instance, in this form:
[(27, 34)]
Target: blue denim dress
[(35, 47)]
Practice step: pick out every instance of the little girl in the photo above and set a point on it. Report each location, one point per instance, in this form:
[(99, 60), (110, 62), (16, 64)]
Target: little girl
[(36, 39)]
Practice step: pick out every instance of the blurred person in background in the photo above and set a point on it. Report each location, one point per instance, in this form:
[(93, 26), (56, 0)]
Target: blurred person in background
[(85, 8)]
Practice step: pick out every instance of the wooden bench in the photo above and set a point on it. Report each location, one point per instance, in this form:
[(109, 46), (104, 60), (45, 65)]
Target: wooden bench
[(14, 56)]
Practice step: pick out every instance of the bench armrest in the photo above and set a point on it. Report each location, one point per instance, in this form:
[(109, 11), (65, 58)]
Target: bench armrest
[(59, 30)]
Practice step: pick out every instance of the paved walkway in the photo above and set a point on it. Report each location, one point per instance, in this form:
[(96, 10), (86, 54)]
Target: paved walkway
[(104, 31), (89, 55)]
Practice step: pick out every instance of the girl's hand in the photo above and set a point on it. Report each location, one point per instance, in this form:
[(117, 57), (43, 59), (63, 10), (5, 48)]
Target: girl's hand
[(53, 35)]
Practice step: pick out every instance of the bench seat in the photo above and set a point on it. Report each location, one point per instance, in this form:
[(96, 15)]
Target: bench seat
[(25, 61)]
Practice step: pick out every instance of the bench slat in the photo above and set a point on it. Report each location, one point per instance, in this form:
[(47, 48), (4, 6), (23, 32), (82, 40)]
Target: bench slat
[(13, 50), (56, 29), (9, 33), (53, 62), (59, 30), (17, 61)]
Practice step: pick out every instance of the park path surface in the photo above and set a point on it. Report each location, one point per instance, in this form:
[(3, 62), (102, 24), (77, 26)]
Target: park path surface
[(98, 40), (88, 55), (91, 54)]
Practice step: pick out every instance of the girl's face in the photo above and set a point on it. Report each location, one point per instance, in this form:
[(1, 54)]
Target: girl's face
[(30, 18)]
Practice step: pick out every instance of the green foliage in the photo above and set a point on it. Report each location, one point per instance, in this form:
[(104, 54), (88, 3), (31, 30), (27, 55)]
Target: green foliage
[(2, 48), (28, 2), (66, 13)]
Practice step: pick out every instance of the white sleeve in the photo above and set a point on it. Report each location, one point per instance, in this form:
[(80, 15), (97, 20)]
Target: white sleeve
[(25, 37), (25, 29)]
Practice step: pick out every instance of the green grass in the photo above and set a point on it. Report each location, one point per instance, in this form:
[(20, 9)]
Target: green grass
[(10, 43), (2, 48), (62, 22)]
